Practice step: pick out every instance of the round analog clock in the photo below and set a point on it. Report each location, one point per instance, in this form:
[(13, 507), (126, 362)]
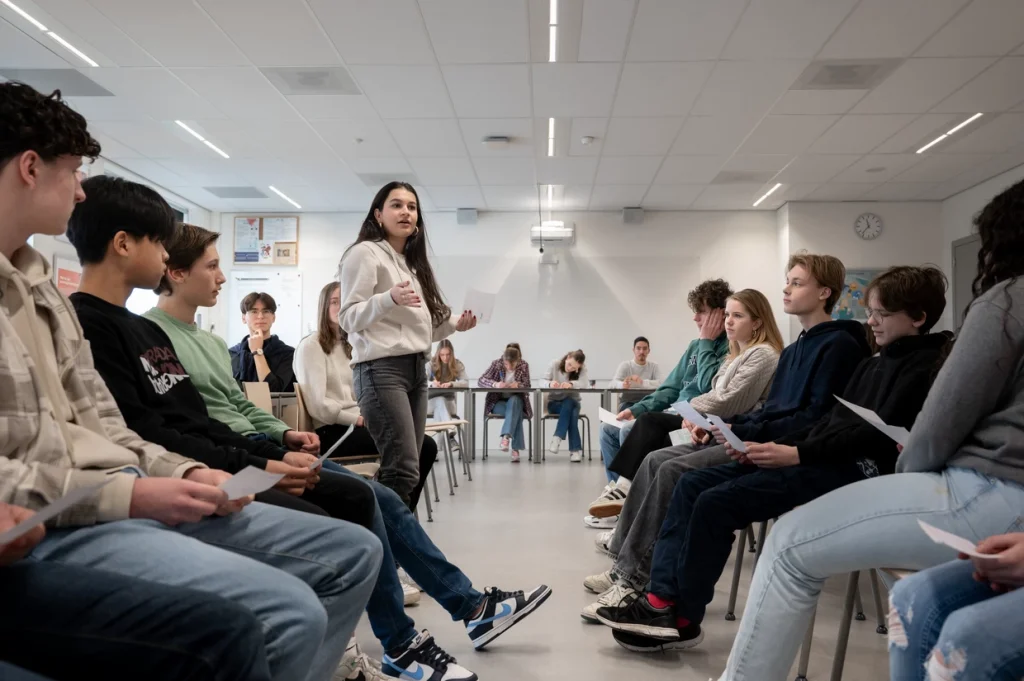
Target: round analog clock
[(868, 226)]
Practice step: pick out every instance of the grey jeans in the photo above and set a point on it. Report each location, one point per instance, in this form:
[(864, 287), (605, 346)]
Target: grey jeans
[(392, 394), (647, 504)]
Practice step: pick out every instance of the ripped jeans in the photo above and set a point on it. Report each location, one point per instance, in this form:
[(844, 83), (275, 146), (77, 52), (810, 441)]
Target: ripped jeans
[(944, 626)]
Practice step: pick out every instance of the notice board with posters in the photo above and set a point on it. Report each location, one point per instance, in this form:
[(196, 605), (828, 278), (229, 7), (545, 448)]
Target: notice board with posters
[(266, 240)]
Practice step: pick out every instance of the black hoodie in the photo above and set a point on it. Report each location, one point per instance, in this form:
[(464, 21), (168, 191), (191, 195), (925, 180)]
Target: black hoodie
[(278, 354), (811, 371)]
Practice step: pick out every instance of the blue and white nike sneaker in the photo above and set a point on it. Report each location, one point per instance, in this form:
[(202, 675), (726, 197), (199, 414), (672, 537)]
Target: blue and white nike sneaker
[(501, 611), (424, 660)]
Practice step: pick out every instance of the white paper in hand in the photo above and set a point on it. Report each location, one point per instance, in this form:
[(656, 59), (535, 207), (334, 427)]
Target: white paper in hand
[(680, 437), (609, 418), (686, 410), (481, 304), (734, 441), (52, 511), (897, 433), (249, 480), (949, 539), (323, 457)]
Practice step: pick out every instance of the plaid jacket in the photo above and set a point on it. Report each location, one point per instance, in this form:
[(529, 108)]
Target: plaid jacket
[(37, 465), (496, 374)]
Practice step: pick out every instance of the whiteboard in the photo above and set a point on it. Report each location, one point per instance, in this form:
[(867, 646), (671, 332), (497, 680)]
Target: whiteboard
[(286, 289)]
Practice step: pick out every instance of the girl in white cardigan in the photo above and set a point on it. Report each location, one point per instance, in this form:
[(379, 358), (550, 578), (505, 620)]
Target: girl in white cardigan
[(568, 372), (392, 309)]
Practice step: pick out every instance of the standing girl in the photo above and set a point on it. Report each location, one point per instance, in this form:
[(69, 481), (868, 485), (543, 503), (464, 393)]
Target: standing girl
[(392, 310), (567, 372)]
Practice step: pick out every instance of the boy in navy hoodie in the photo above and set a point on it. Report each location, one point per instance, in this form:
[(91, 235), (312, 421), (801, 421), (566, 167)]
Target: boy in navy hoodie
[(811, 371), (709, 505)]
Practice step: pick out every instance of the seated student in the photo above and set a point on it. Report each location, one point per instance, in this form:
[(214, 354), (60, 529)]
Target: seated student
[(962, 618), (709, 505), (143, 630), (112, 269), (444, 371), (639, 372), (962, 469), (810, 372), (162, 517), (262, 357), (568, 372), (510, 373), (691, 377), (323, 369)]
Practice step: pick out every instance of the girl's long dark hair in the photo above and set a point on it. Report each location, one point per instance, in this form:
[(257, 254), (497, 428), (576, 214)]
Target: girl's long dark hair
[(580, 359), (415, 250), (1000, 225)]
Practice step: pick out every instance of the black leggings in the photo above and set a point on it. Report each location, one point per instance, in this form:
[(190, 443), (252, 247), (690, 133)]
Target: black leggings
[(648, 434), (361, 442), (338, 496)]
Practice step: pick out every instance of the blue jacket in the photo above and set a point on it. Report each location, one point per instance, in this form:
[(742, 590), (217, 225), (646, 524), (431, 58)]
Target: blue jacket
[(811, 372)]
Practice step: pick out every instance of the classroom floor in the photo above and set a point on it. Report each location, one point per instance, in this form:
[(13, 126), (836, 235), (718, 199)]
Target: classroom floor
[(516, 526)]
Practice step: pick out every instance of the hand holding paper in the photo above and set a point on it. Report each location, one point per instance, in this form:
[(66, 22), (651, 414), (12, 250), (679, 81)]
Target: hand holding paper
[(953, 541), (730, 436), (52, 511), (249, 480), (686, 410), (481, 303), (323, 457), (897, 433), (609, 418)]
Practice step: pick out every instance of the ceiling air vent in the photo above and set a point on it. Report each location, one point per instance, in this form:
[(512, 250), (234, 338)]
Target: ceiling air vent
[(311, 80), (236, 192), (743, 176), (840, 74)]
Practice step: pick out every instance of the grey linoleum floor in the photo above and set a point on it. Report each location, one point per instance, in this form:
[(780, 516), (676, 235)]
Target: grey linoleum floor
[(516, 526)]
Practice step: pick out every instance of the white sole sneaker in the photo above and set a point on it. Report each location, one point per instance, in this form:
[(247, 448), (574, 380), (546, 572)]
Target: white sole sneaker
[(603, 543), (600, 583), (555, 445), (576, 457), (600, 523), (611, 598), (410, 595), (609, 503)]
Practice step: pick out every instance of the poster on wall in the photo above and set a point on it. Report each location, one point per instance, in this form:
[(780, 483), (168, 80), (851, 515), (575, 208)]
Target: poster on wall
[(267, 240), (67, 274), (852, 304)]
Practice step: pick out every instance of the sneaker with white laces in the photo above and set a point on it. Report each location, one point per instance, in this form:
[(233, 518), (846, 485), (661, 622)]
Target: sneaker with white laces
[(556, 443), (611, 501), (506, 441), (600, 583), (603, 543), (514, 458), (404, 578), (600, 523), (357, 666), (614, 597), (410, 595), (576, 456), (501, 611), (424, 660)]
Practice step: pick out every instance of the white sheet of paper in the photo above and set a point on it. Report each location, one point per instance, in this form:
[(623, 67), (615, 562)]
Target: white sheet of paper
[(897, 433), (609, 418), (481, 303), (249, 480), (53, 510), (323, 457), (680, 437), (686, 410), (736, 443), (949, 539)]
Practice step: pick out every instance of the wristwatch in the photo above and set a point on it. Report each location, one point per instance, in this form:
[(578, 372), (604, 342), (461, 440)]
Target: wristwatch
[(258, 352)]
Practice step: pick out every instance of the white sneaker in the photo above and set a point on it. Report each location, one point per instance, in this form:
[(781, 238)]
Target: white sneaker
[(410, 595), (612, 598), (505, 442), (600, 523), (576, 457), (611, 500), (603, 543), (404, 578), (515, 456), (598, 584), (556, 442), (357, 666)]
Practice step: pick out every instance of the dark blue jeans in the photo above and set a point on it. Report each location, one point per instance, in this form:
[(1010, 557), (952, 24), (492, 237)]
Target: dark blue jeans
[(65, 621), (568, 411), (405, 541), (708, 506)]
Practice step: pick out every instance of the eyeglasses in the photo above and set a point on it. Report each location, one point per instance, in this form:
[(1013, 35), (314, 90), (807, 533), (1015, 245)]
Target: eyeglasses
[(878, 315), (260, 313)]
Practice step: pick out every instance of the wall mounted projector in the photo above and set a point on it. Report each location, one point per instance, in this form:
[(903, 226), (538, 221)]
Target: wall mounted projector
[(554, 233)]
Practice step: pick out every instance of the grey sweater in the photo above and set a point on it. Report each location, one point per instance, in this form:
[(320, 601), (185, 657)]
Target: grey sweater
[(974, 414)]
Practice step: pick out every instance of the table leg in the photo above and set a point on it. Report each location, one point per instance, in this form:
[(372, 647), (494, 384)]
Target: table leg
[(606, 400), (538, 446), (471, 425)]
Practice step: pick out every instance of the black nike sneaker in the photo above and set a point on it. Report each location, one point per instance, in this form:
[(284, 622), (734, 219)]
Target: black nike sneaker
[(501, 611)]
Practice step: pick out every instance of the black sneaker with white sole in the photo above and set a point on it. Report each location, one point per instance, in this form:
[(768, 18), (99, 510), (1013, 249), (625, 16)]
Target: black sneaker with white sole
[(689, 636), (424, 660), (501, 611), (638, 616)]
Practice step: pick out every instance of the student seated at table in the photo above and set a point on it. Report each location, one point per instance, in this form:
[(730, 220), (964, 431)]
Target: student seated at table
[(262, 356), (567, 373), (639, 372), (444, 371), (324, 372), (510, 373)]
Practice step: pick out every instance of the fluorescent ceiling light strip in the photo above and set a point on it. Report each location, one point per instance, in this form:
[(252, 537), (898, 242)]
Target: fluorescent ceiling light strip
[(212, 146), (554, 13), (72, 48), (191, 131), (551, 146), (932, 143), (553, 44), (551, 193), (278, 192), (967, 122), (28, 17), (551, 128), (767, 194)]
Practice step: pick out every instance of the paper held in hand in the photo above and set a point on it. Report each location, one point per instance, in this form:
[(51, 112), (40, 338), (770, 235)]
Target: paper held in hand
[(249, 480), (734, 441), (686, 410), (53, 510), (949, 539), (481, 304), (323, 457), (609, 418), (897, 433)]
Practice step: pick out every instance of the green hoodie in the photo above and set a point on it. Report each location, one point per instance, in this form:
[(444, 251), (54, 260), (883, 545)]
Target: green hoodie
[(691, 377), (208, 363)]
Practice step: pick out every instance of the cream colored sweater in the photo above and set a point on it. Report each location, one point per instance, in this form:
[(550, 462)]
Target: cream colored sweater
[(326, 382), (376, 325), (740, 383)]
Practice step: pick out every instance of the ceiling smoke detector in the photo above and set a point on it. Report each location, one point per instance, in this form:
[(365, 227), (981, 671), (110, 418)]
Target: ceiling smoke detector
[(587, 140)]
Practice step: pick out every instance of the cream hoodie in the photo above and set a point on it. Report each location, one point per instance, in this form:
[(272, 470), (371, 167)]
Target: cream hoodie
[(377, 326), (326, 382)]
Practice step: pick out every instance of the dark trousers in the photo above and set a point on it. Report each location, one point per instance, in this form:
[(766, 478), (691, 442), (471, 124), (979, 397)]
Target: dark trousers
[(361, 442), (336, 495), (74, 623), (648, 434), (709, 505)]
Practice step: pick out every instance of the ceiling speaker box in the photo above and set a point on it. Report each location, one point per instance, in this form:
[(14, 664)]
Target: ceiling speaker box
[(633, 216), (465, 216)]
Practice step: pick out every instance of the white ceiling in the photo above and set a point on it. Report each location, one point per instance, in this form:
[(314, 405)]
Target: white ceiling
[(689, 102)]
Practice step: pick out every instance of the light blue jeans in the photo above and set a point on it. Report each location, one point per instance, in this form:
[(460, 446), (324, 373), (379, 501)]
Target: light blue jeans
[(611, 439), (945, 625), (307, 578), (568, 411), (869, 524), (512, 410)]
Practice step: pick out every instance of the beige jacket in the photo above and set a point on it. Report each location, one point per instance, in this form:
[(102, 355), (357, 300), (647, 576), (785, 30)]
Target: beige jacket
[(326, 382), (60, 428)]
